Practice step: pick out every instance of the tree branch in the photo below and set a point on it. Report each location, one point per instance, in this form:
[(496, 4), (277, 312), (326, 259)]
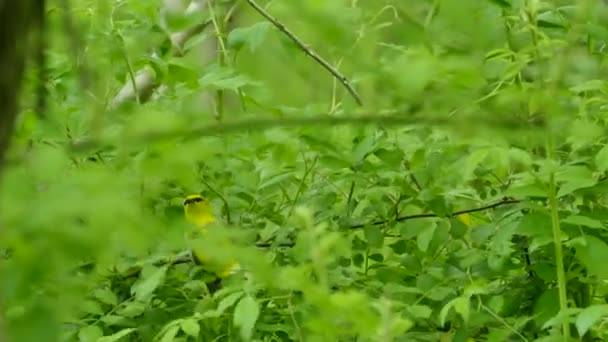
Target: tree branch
[(146, 79), (257, 124), (345, 82), (505, 201)]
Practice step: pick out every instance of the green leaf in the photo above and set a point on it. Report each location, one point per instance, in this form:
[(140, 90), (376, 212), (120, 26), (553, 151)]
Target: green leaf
[(413, 228), (579, 220), (527, 190), (589, 317), (462, 305), (363, 148), (252, 36), (574, 184), (245, 315), (229, 301), (601, 159), (170, 333), (106, 296), (374, 236), (132, 309), (593, 253), (399, 247), (377, 257), (537, 226), (502, 3), (152, 277), (420, 311), (90, 333), (190, 326), (547, 306), (117, 336), (425, 237), (393, 157)]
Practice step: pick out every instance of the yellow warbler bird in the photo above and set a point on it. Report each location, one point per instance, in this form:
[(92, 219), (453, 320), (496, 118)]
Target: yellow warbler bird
[(199, 212)]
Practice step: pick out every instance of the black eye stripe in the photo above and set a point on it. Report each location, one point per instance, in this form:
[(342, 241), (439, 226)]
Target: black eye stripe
[(193, 200)]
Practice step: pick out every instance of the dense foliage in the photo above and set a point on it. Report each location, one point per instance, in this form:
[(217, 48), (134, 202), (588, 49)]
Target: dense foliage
[(463, 201)]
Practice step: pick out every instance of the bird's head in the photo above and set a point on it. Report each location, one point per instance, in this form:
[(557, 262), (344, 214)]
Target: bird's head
[(198, 210)]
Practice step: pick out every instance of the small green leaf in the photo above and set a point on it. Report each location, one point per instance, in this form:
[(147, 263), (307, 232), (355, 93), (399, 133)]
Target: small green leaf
[(547, 306), (443, 314), (252, 36), (377, 257), (425, 237), (170, 333), (117, 336), (392, 157), (190, 326), (583, 221), (399, 247), (374, 236), (90, 333), (106, 296), (537, 226), (601, 159), (245, 316), (420, 311), (462, 305), (132, 309), (593, 253), (590, 316), (502, 3), (229, 301), (152, 277)]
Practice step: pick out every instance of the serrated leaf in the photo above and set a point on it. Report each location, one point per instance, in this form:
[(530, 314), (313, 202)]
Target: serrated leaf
[(151, 279), (245, 316), (117, 336), (190, 326), (590, 316)]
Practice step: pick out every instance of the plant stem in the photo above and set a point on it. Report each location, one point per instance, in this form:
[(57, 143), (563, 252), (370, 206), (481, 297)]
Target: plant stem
[(559, 260)]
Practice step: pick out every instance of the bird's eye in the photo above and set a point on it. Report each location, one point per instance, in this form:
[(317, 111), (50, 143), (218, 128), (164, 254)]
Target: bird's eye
[(198, 199)]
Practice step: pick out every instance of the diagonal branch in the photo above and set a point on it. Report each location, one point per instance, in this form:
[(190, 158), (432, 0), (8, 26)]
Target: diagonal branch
[(345, 82), (504, 201)]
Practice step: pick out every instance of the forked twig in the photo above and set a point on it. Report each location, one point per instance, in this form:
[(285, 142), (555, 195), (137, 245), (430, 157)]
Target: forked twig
[(345, 82)]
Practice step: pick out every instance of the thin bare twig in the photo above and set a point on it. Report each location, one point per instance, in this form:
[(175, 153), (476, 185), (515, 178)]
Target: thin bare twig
[(505, 201), (345, 82)]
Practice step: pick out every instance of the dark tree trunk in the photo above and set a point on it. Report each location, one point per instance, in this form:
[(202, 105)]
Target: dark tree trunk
[(17, 17)]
